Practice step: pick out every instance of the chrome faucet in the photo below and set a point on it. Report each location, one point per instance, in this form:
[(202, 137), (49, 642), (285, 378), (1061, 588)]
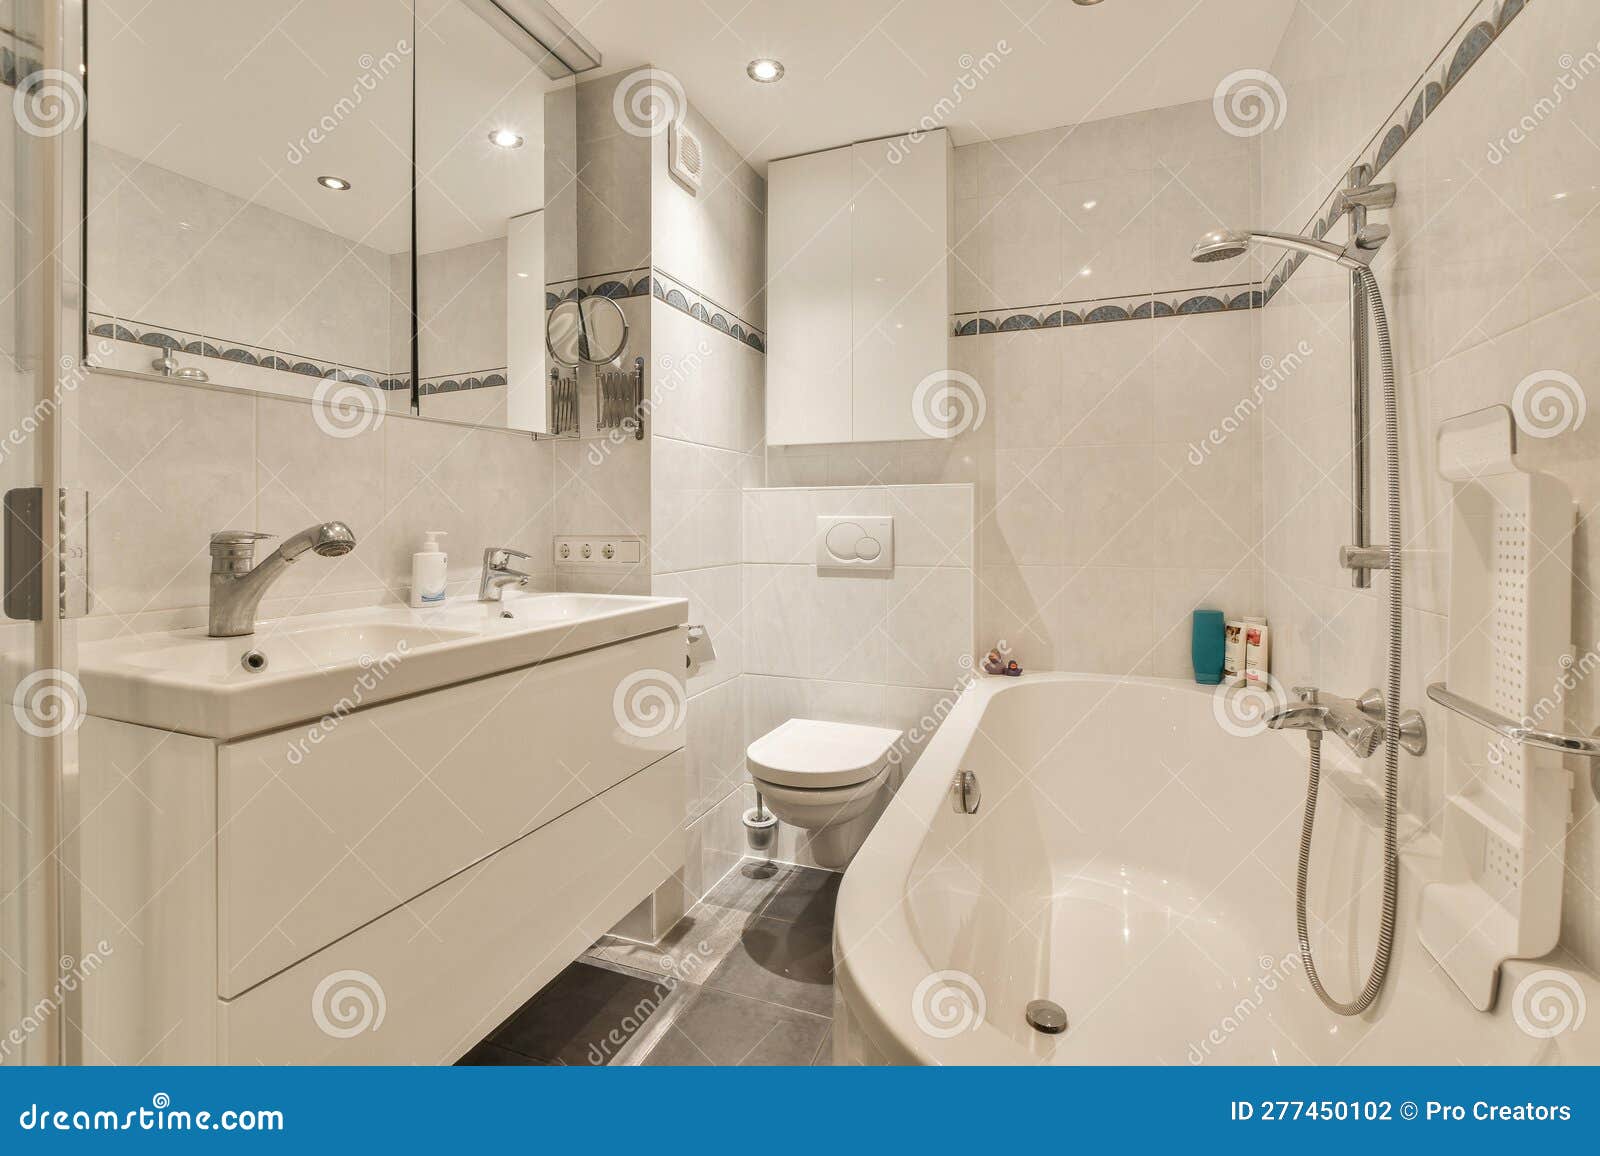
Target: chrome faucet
[(498, 574), (1358, 721), (237, 585)]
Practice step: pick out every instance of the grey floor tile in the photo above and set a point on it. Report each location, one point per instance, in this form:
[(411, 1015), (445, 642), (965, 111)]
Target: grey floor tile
[(487, 1055), (584, 1016), (783, 963), (750, 885), (806, 895), (824, 1056), (690, 951), (720, 1028)]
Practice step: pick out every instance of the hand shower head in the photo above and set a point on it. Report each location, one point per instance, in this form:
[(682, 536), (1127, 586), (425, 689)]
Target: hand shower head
[(1223, 244), (1220, 245)]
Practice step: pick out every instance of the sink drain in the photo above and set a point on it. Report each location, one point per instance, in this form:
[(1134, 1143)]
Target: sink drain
[(254, 661), (1046, 1016)]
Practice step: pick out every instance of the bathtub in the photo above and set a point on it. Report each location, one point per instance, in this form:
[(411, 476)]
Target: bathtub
[(1133, 861)]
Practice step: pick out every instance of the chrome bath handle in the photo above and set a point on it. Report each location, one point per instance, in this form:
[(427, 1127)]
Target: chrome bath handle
[(1508, 728)]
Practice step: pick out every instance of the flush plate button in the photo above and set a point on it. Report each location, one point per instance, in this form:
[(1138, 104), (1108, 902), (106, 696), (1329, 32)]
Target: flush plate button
[(856, 543)]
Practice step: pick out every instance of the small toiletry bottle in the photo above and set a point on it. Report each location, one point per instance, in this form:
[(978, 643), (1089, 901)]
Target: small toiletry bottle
[(1206, 647), (428, 571), (1233, 652), (1257, 650)]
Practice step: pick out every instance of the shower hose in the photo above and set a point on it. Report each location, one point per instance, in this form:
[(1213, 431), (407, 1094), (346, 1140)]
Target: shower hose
[(1391, 725)]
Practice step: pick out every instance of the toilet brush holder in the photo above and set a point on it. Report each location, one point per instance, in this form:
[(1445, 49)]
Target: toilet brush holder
[(760, 828)]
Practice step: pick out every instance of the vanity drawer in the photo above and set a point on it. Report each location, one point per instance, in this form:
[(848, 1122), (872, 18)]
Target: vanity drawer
[(453, 963), (317, 838)]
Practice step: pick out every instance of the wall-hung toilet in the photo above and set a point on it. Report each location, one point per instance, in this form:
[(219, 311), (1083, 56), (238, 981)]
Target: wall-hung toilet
[(823, 777)]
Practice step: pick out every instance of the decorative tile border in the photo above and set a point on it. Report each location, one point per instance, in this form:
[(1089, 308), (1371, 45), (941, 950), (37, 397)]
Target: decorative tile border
[(1139, 307), (667, 288), (17, 58), (238, 353), (618, 286), (454, 383), (1452, 62)]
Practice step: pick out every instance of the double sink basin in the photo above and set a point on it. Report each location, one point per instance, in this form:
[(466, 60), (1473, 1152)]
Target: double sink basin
[(301, 668)]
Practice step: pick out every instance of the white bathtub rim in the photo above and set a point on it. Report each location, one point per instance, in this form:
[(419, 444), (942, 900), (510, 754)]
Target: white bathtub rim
[(875, 946)]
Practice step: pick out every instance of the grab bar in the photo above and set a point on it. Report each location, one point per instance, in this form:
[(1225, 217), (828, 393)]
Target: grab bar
[(1510, 729)]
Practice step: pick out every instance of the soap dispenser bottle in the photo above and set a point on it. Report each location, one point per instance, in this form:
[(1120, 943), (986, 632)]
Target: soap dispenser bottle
[(428, 571)]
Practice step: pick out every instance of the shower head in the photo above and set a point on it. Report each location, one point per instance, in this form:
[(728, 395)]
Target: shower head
[(1225, 244), (1220, 245)]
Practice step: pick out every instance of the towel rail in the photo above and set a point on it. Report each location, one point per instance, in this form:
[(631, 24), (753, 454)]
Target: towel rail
[(1508, 728)]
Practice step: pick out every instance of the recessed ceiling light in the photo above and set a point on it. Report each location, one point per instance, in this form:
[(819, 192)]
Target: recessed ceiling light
[(504, 138), (765, 70), (1085, 271), (1090, 204), (337, 184)]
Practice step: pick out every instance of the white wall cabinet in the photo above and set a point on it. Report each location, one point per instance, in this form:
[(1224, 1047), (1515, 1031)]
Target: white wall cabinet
[(858, 289)]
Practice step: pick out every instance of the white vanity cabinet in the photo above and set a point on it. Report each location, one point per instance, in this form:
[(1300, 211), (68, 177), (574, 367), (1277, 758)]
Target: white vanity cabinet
[(440, 857), (858, 289)]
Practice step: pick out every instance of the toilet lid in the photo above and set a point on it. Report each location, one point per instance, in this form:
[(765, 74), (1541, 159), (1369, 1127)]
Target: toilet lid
[(805, 752)]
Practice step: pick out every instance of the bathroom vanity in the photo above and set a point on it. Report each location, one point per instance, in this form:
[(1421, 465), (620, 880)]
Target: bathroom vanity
[(368, 836)]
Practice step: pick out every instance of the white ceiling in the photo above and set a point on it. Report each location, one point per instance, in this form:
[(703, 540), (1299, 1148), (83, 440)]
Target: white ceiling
[(863, 68), (227, 92), (199, 86)]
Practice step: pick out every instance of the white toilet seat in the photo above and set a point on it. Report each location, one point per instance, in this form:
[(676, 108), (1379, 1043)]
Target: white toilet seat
[(811, 755)]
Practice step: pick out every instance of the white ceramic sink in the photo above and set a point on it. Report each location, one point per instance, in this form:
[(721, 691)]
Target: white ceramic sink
[(184, 681), (285, 649)]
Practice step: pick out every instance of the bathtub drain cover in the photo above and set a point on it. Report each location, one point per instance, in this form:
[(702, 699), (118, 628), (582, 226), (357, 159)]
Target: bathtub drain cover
[(1047, 1016)]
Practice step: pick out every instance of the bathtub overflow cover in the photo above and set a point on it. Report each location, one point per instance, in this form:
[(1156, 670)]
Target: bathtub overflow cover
[(1046, 1016)]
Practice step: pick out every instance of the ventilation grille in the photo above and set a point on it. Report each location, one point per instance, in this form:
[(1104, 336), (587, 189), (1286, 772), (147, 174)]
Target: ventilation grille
[(685, 161)]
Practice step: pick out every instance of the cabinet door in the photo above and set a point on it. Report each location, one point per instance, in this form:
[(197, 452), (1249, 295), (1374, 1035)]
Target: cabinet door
[(808, 299), (900, 280)]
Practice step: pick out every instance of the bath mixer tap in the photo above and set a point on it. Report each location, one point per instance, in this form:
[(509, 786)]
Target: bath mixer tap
[(237, 585), (1358, 721), (498, 574)]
